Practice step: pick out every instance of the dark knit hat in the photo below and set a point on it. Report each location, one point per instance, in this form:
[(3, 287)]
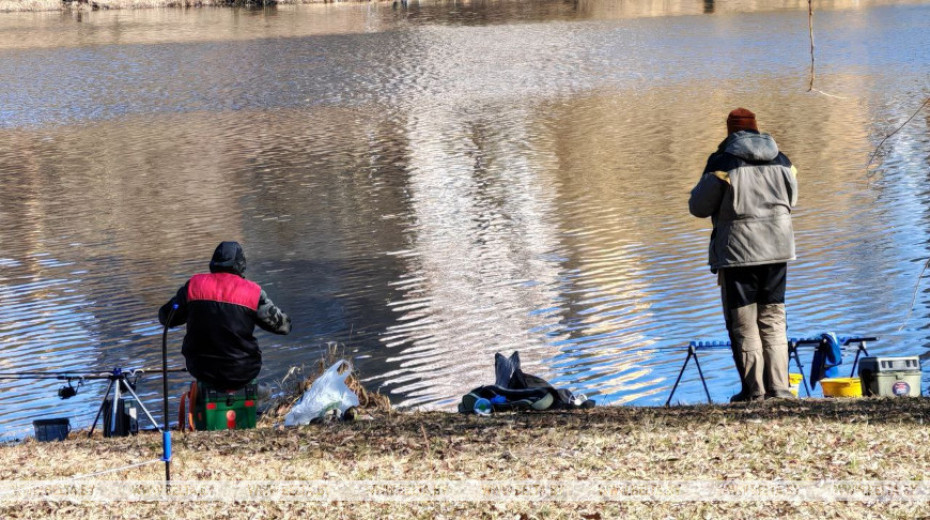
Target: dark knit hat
[(228, 258), (741, 119)]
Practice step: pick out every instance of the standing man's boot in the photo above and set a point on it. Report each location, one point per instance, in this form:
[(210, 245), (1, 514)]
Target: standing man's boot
[(747, 348)]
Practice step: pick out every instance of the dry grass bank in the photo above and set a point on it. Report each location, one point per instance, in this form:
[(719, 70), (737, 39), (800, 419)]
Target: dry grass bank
[(805, 440), (9, 6)]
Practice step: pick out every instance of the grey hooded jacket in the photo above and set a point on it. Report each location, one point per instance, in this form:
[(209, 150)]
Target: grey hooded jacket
[(748, 189)]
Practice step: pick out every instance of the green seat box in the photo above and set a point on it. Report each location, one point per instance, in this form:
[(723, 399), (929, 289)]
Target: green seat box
[(225, 410), (890, 376)]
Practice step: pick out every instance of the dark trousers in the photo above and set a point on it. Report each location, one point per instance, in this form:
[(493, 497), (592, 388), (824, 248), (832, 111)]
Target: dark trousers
[(753, 300)]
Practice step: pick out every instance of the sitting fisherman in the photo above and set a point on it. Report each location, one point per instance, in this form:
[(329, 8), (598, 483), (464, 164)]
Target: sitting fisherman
[(221, 310)]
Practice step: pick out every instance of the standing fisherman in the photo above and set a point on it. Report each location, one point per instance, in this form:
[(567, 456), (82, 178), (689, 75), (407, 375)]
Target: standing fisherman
[(748, 188), (221, 310)]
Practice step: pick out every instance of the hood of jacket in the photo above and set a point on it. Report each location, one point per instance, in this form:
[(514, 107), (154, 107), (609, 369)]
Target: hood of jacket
[(751, 146), (228, 258)]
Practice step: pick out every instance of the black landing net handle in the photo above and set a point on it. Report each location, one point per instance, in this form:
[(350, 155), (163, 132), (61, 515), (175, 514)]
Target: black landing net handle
[(166, 431)]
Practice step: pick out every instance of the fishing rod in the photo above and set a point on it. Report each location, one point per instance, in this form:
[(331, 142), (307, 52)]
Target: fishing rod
[(69, 390), (119, 381), (97, 374), (725, 344)]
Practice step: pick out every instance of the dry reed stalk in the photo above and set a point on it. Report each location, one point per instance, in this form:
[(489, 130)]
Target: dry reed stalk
[(368, 401)]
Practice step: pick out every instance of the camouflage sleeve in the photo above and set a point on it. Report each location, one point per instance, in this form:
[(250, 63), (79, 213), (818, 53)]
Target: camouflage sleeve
[(270, 317)]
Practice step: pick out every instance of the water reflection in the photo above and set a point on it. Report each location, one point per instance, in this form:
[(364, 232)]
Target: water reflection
[(158, 26), (642, 261), (430, 185), (481, 257)]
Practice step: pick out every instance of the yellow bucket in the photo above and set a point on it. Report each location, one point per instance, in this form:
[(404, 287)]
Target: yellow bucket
[(794, 383), (842, 387)]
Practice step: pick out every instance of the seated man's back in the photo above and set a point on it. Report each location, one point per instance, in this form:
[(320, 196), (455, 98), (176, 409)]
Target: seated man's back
[(221, 310)]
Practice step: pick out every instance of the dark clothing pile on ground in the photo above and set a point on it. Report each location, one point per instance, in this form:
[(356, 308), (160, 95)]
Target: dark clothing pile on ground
[(515, 390)]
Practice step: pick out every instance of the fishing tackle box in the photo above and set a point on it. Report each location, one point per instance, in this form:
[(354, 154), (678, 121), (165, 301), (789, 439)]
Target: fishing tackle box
[(225, 410), (890, 376), (127, 417)]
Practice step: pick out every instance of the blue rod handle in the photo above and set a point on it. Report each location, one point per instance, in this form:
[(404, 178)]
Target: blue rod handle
[(166, 445)]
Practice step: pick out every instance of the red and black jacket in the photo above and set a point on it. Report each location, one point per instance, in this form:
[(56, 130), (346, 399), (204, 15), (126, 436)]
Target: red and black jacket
[(221, 311)]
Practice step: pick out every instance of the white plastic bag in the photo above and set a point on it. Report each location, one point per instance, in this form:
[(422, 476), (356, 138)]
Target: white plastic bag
[(328, 392)]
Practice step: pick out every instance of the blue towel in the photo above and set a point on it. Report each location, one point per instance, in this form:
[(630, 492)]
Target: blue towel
[(827, 358)]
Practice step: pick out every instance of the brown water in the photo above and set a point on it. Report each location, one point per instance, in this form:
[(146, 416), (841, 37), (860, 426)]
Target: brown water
[(430, 185)]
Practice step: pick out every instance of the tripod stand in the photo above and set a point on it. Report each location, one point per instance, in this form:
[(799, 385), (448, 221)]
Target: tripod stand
[(119, 382)]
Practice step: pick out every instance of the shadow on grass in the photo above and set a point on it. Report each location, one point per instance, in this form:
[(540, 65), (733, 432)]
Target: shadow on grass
[(422, 427), (878, 410)]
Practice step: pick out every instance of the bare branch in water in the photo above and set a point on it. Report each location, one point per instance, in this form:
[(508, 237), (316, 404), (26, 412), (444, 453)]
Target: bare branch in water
[(834, 96), (879, 147), (810, 88), (810, 30), (916, 288)]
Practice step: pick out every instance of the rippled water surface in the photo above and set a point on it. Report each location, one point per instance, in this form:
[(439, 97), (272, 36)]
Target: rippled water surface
[(430, 185)]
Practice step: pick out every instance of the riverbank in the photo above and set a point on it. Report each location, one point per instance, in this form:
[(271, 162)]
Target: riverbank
[(635, 9), (852, 441), (9, 6)]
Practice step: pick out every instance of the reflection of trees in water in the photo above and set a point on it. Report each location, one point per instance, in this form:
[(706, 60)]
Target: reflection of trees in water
[(126, 212), (924, 356), (636, 276), (477, 258), (587, 207), (45, 318), (159, 26), (632, 273), (901, 202), (622, 170), (644, 8), (41, 303), (327, 201)]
